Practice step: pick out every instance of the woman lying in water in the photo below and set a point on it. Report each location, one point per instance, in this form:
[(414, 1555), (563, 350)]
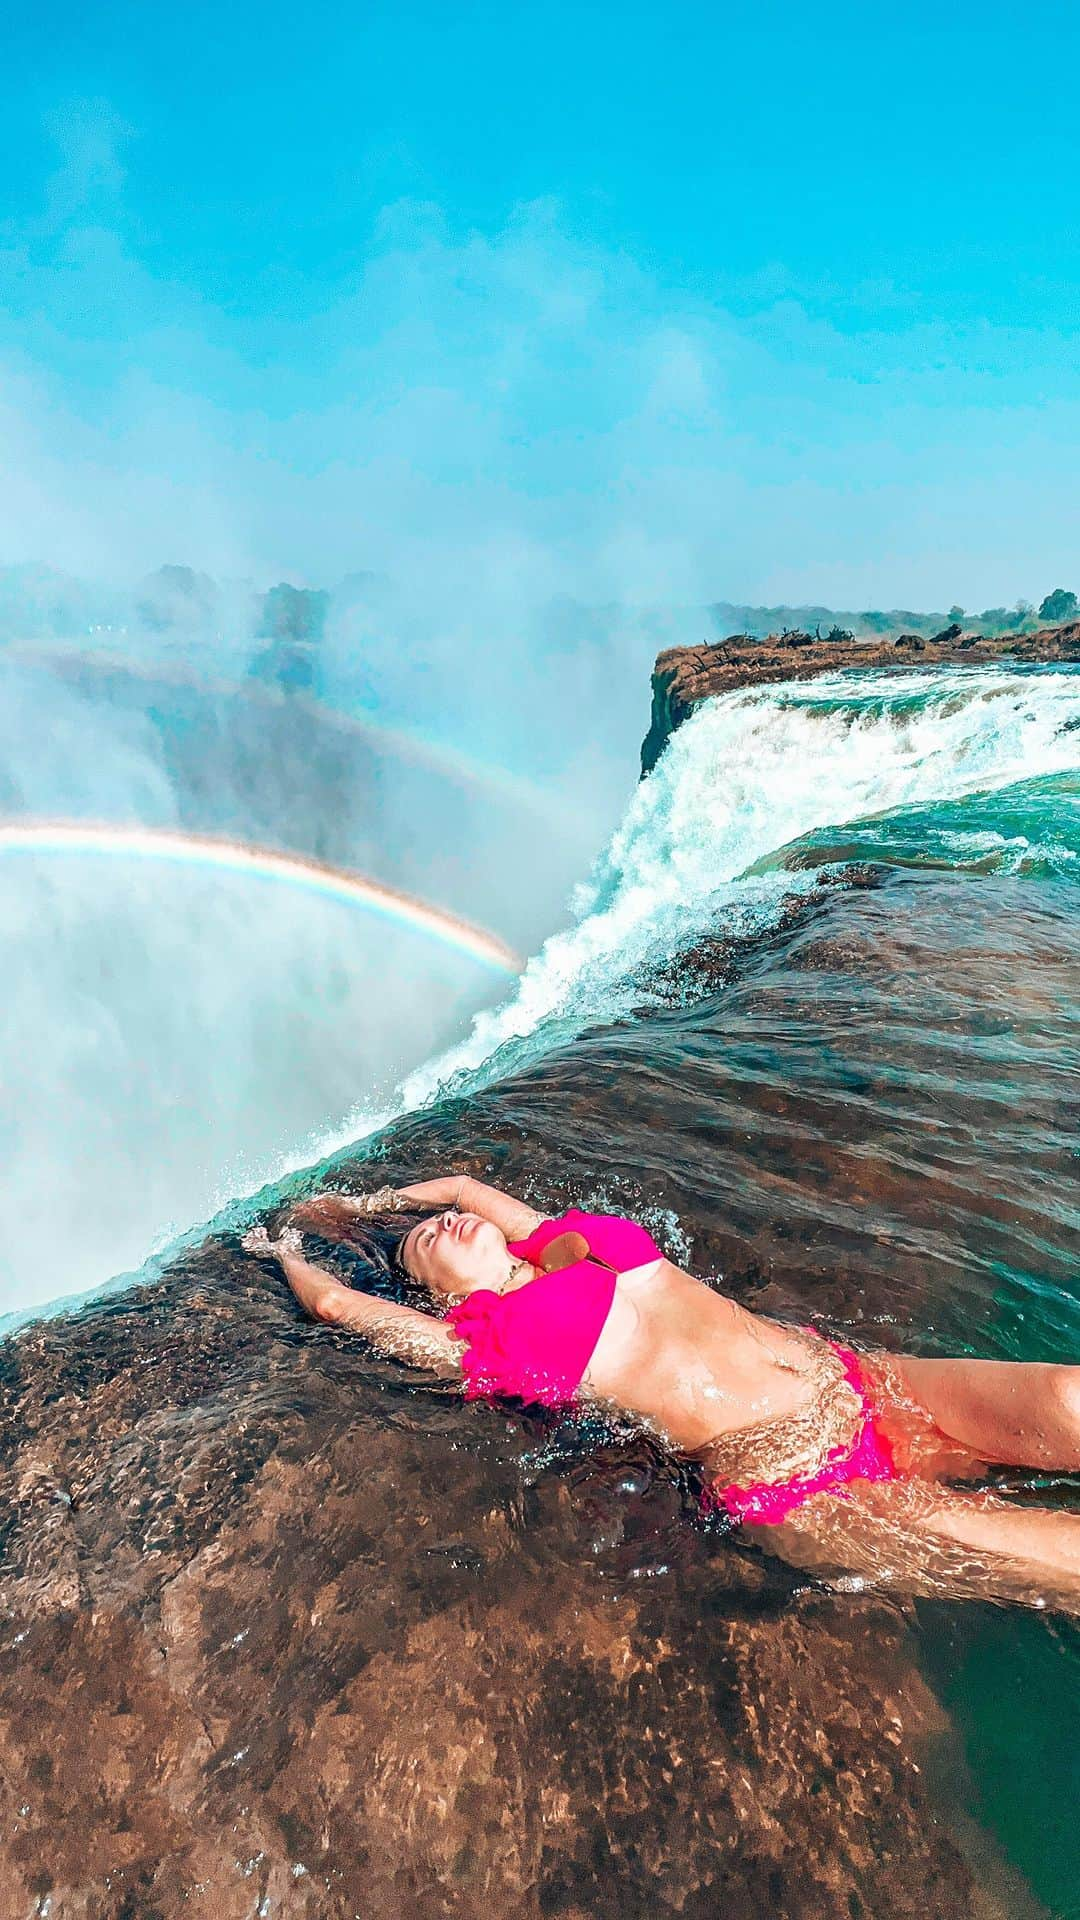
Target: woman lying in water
[(841, 1459)]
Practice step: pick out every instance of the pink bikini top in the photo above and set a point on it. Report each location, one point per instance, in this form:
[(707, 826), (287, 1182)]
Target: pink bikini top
[(537, 1341)]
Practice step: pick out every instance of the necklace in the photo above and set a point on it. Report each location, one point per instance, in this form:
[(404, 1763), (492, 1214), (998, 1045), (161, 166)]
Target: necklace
[(513, 1274)]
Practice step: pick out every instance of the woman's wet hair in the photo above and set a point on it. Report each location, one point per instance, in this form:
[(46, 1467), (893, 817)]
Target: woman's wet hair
[(376, 1241)]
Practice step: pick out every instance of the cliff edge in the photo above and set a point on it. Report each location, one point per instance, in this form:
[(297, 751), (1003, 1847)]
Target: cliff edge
[(684, 676)]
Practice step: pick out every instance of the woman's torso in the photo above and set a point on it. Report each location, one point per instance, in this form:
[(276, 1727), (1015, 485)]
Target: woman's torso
[(753, 1399), (701, 1369)]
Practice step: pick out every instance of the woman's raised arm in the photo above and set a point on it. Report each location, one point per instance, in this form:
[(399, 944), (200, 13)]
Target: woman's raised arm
[(330, 1213), (512, 1217), (414, 1337)]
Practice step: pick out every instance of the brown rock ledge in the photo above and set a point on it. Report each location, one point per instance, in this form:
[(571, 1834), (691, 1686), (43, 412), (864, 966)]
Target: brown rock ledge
[(683, 676)]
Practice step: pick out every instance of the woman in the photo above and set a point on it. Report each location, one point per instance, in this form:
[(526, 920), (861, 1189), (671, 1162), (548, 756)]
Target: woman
[(840, 1459)]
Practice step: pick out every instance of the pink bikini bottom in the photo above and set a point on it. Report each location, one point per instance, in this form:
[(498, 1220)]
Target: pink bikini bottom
[(868, 1457)]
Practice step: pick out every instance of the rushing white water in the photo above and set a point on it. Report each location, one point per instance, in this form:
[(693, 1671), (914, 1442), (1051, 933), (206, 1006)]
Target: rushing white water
[(746, 774)]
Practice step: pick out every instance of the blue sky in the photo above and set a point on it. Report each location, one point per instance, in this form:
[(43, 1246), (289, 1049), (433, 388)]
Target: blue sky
[(628, 301)]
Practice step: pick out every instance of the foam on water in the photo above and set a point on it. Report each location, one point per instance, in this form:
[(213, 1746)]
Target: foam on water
[(746, 775)]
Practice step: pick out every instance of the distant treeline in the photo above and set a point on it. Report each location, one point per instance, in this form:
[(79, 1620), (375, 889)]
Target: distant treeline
[(1023, 617), (39, 603)]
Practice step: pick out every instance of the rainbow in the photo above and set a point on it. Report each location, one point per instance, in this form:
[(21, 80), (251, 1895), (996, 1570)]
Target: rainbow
[(260, 863)]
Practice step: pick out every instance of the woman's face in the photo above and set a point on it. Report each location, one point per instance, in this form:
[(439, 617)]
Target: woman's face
[(455, 1253)]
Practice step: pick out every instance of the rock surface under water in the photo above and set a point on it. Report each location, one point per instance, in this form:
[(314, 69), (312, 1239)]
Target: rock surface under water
[(288, 1631)]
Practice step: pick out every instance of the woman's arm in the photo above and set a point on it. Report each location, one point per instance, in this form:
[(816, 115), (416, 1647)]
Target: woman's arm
[(512, 1217), (331, 1213), (400, 1331)]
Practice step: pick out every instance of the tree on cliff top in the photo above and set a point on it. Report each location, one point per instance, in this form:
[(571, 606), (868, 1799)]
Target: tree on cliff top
[(1059, 605)]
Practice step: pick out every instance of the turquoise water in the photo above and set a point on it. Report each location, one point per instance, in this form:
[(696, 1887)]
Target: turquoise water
[(1031, 828), (1012, 1685)]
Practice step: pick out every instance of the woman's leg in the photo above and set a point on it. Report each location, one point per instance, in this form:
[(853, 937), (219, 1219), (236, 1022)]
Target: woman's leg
[(1046, 1541), (914, 1537), (1012, 1412)]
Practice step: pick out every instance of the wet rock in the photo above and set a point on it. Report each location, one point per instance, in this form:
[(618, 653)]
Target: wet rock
[(269, 1678)]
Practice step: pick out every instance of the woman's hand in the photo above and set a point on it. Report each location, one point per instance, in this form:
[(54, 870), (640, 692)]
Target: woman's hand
[(320, 1295), (258, 1242)]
